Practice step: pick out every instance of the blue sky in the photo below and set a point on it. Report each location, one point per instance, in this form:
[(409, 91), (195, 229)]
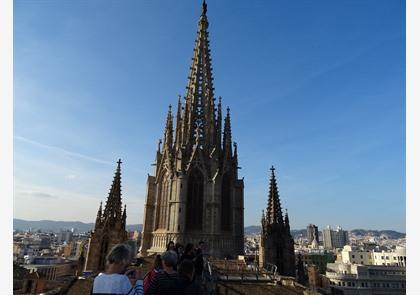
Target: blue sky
[(316, 88)]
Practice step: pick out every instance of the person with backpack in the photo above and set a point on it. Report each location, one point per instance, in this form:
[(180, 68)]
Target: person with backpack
[(188, 252), (186, 277), (166, 282), (199, 261), (151, 275)]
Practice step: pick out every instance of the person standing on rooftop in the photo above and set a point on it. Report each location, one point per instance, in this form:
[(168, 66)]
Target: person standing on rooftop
[(117, 280)]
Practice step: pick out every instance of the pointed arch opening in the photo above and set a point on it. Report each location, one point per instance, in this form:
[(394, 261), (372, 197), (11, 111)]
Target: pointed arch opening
[(195, 200), (226, 210)]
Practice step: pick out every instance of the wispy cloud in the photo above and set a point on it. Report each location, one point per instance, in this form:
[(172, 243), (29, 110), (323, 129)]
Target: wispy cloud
[(71, 176), (38, 195), (63, 151)]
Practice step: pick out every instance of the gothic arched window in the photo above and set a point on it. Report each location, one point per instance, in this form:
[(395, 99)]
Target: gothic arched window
[(195, 200), (226, 219)]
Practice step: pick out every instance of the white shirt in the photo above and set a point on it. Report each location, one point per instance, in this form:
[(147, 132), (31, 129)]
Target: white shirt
[(116, 284)]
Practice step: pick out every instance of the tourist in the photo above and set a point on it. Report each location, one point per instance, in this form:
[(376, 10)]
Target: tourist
[(199, 261), (166, 282), (151, 275), (186, 278), (188, 252), (170, 246), (178, 250), (117, 279)]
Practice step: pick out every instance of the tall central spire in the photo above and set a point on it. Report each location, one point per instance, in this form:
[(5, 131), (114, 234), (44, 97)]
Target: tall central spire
[(200, 109)]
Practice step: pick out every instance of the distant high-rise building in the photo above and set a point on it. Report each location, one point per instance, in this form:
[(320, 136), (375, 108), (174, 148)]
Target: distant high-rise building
[(109, 227), (335, 238), (312, 231), (277, 245), (65, 236)]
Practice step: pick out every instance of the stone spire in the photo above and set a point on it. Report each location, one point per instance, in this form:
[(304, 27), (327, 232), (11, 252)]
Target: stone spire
[(274, 212), (286, 223), (219, 125), (112, 211), (99, 216), (178, 130), (168, 136), (227, 137), (124, 217), (263, 222), (199, 107)]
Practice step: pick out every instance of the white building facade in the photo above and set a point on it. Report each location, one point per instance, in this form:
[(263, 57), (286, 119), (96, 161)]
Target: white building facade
[(354, 256), (352, 279)]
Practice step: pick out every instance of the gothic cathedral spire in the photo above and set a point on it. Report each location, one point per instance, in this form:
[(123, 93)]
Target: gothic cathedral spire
[(109, 226), (112, 211), (195, 191), (274, 211), (276, 245)]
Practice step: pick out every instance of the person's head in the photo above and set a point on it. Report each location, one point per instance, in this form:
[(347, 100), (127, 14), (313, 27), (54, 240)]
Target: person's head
[(177, 246), (170, 246), (119, 257), (201, 245), (158, 262), (189, 248), (186, 268), (169, 259)]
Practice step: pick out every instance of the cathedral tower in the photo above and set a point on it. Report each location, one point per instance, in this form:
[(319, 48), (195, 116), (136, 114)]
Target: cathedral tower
[(277, 245), (195, 193), (109, 227)]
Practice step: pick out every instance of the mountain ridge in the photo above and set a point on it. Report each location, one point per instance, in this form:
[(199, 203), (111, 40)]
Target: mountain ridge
[(78, 226)]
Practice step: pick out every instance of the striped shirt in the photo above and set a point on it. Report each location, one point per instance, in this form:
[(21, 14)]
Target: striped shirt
[(116, 284), (164, 283)]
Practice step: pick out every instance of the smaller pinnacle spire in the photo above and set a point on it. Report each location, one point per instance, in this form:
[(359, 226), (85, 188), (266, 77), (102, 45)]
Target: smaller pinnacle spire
[(227, 137), (99, 216), (286, 222), (168, 130)]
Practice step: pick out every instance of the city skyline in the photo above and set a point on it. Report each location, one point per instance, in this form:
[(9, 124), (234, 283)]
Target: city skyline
[(338, 104)]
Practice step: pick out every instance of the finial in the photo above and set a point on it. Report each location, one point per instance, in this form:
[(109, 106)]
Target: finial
[(228, 110), (204, 8), (159, 144), (272, 169), (119, 162)]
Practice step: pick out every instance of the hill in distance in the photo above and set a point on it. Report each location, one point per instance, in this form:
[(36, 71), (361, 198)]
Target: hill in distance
[(57, 226), (79, 227), (390, 234)]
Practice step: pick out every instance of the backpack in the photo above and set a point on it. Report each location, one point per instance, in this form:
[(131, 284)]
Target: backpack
[(148, 279), (172, 286)]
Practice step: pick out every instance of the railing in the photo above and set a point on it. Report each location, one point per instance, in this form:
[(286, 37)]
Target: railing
[(217, 274)]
